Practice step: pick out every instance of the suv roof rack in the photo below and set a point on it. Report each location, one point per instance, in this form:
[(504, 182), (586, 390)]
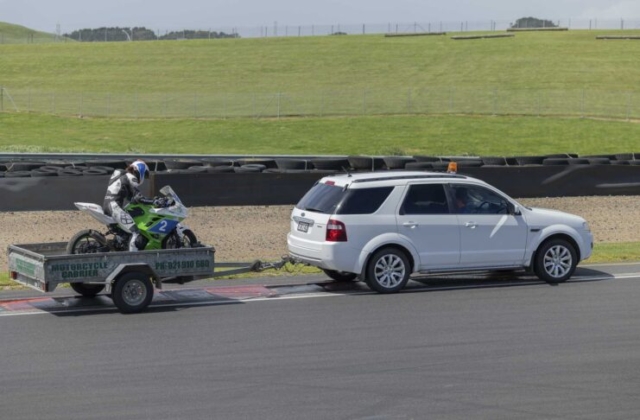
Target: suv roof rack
[(399, 177)]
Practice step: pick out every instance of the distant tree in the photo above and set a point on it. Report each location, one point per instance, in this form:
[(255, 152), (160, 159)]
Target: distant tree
[(112, 34), (531, 22), (118, 34), (190, 34)]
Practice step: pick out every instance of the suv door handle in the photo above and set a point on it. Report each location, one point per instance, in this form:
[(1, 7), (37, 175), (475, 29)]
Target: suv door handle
[(471, 225), (411, 225)]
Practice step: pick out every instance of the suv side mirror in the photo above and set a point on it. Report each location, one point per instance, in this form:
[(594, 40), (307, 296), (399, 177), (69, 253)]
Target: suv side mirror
[(513, 209)]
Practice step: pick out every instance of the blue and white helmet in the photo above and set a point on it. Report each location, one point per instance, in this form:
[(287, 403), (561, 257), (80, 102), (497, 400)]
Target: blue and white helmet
[(139, 169)]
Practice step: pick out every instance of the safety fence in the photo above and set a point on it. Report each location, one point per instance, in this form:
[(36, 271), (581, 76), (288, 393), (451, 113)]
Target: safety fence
[(447, 100), (291, 30)]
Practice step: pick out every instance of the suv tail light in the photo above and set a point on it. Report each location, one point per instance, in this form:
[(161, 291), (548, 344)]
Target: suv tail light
[(336, 231)]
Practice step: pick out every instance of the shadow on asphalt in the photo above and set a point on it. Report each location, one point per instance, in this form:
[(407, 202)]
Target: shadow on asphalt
[(80, 306), (178, 300), (440, 282)]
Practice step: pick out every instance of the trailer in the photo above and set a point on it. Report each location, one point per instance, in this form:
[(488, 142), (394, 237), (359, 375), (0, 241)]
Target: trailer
[(129, 277)]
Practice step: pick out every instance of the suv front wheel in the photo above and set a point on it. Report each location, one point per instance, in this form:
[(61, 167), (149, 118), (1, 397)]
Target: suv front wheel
[(388, 271), (555, 261)]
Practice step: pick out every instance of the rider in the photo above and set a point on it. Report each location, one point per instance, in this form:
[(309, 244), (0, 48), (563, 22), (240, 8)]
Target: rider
[(122, 189)]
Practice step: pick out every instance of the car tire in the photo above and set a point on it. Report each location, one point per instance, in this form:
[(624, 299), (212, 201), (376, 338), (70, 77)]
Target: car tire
[(555, 261), (340, 275), (387, 271)]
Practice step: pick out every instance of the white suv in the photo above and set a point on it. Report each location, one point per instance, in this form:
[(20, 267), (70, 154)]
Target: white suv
[(384, 226)]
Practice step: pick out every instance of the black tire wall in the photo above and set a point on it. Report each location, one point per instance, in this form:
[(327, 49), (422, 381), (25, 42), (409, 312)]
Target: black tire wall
[(286, 188)]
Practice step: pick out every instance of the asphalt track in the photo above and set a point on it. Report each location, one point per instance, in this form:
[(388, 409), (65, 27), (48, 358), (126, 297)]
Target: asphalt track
[(460, 347)]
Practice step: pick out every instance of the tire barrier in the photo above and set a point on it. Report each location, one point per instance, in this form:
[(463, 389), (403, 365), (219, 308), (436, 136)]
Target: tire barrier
[(330, 164), (295, 164), (70, 172), (421, 158), (267, 163), (17, 174), (115, 164), (202, 184), (96, 172), (173, 164), (250, 168), (216, 162), (397, 162), (365, 163)]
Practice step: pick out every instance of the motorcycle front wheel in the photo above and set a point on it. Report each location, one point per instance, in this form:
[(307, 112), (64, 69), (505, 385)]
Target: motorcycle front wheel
[(173, 241)]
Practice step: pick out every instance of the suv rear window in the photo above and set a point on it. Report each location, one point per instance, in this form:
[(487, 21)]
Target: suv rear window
[(331, 199)]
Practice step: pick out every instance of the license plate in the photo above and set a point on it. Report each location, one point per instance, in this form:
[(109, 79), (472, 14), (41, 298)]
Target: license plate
[(303, 227)]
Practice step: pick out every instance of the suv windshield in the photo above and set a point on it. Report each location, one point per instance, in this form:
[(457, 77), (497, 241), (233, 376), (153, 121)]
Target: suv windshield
[(330, 199)]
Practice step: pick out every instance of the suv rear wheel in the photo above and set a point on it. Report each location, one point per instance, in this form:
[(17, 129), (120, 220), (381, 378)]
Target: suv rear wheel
[(388, 271), (556, 261)]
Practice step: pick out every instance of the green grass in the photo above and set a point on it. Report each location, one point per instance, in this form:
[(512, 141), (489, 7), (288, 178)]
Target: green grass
[(16, 34), (411, 135), (615, 252), (530, 61)]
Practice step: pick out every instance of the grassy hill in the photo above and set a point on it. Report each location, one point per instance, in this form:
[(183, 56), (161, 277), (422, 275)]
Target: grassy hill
[(531, 61), (16, 34), (584, 76)]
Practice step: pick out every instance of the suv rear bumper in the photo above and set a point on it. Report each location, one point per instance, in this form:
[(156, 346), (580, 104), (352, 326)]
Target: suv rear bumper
[(338, 256)]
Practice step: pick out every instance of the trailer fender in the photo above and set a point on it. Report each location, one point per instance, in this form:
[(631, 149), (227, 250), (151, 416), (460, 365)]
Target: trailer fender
[(128, 268)]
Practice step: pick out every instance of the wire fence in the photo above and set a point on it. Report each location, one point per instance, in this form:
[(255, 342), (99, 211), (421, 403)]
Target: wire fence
[(451, 100), (284, 30)]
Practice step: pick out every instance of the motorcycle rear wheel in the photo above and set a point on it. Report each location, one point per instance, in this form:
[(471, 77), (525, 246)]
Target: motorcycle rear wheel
[(84, 242)]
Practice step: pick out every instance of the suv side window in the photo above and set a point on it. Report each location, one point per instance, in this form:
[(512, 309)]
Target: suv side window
[(476, 199), (425, 199), (363, 200)]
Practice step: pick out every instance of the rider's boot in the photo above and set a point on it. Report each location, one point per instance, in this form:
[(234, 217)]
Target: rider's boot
[(132, 242)]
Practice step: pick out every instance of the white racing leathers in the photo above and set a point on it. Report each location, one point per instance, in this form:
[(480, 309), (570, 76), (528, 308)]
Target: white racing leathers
[(122, 189)]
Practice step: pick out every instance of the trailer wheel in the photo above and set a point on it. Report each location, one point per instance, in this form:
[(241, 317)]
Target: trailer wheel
[(87, 290), (132, 292)]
